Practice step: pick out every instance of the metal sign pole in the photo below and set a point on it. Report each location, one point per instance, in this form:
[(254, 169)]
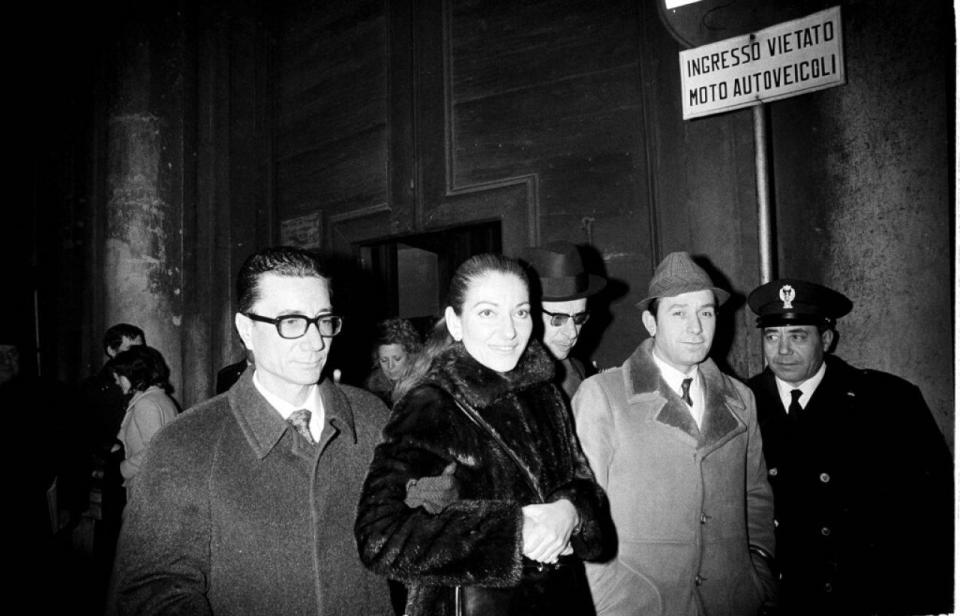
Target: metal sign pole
[(764, 214)]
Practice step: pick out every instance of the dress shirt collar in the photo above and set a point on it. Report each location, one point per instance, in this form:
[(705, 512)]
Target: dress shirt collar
[(313, 403), (807, 388), (674, 379)]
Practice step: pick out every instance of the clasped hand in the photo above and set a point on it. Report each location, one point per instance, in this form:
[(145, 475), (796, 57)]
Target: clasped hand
[(547, 529)]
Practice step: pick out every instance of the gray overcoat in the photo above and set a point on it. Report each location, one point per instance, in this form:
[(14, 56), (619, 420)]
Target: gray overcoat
[(235, 513)]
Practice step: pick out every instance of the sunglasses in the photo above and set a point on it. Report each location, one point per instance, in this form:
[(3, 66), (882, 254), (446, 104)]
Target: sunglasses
[(559, 319)]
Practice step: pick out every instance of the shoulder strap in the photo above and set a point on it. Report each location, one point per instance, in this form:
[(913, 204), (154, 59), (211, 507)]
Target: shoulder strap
[(478, 421)]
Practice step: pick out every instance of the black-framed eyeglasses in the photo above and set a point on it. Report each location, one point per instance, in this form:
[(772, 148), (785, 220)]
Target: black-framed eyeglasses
[(292, 326), (559, 319)]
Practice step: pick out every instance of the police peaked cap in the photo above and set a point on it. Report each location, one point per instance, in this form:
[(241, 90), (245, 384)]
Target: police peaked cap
[(790, 301)]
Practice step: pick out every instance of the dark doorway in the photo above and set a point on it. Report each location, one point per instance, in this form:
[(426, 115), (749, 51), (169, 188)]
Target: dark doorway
[(405, 276), (414, 270)]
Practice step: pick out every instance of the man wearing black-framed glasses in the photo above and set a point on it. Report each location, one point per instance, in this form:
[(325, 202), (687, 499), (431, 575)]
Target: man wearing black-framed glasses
[(564, 288), (246, 502)]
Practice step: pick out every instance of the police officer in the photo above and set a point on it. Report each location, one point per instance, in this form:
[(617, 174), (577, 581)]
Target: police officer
[(861, 474)]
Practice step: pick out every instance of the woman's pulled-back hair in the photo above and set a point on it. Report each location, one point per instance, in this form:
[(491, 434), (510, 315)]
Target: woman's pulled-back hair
[(439, 338), (143, 366)]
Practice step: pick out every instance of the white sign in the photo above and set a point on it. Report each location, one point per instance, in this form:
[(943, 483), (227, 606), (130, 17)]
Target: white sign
[(784, 60)]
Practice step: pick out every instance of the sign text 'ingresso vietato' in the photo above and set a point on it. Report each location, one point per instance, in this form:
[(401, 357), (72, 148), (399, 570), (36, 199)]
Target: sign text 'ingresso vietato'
[(784, 60)]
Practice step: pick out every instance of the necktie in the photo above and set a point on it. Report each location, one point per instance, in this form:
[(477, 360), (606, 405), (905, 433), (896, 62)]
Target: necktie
[(795, 409), (685, 396), (300, 420)]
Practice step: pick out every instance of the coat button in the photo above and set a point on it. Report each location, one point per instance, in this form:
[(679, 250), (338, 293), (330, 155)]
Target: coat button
[(698, 580), (825, 531), (825, 477), (773, 471), (703, 518), (828, 587)]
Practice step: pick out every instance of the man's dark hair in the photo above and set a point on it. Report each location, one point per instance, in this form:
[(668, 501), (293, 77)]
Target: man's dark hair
[(652, 306), (114, 336), (283, 261)]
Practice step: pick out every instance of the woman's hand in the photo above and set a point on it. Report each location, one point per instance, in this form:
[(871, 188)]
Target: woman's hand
[(547, 529)]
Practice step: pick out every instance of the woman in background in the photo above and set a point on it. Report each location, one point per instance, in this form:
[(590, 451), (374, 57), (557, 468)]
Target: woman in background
[(397, 347), (480, 405), (141, 372)]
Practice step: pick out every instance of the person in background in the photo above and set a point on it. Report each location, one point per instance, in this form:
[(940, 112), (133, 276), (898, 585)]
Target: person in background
[(862, 476), (103, 406), (106, 404), (244, 504), (141, 374), (564, 286), (397, 347), (481, 405), (230, 374), (675, 443)]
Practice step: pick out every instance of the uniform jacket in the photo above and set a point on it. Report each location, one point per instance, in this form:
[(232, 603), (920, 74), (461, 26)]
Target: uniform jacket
[(147, 412), (863, 486), (687, 503), (478, 539), (235, 513)]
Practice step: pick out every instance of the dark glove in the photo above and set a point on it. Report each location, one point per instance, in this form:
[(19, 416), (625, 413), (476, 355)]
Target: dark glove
[(433, 493), (763, 564)]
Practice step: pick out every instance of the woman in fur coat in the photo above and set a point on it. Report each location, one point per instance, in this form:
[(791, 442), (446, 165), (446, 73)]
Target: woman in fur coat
[(480, 406)]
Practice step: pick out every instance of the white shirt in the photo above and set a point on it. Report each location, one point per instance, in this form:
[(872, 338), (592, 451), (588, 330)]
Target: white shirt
[(674, 379), (807, 388), (313, 403)]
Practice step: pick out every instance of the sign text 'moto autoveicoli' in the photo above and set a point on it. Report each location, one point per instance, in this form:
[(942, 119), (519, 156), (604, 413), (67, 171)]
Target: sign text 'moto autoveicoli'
[(784, 60)]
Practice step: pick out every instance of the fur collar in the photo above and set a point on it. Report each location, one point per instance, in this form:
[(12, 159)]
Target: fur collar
[(721, 401), (457, 372)]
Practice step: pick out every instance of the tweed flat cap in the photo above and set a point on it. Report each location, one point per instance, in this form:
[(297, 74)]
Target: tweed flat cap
[(678, 274)]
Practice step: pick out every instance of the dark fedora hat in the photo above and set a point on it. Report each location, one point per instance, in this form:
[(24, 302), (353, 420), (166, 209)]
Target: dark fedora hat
[(561, 272), (678, 274)]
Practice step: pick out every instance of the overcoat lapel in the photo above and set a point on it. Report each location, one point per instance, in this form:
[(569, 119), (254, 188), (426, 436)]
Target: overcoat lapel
[(720, 419), (676, 414)]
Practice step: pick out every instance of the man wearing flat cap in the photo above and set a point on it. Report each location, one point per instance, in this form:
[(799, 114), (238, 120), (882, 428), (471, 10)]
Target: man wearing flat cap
[(861, 473), (564, 288), (676, 445)]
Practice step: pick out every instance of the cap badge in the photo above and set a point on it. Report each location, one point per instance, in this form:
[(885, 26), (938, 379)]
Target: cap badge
[(786, 296)]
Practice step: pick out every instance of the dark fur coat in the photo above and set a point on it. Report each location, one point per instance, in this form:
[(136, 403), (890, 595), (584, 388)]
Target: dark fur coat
[(477, 540)]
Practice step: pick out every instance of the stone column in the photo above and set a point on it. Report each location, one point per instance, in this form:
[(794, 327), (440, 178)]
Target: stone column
[(142, 250)]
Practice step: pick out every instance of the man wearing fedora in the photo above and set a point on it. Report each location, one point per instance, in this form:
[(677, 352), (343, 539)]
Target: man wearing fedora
[(675, 444), (564, 288), (860, 471)]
